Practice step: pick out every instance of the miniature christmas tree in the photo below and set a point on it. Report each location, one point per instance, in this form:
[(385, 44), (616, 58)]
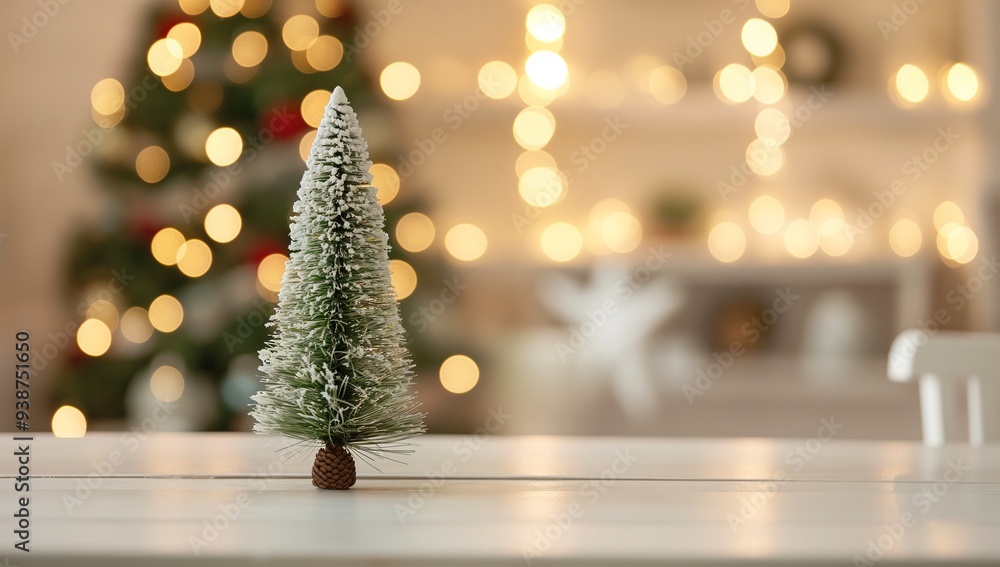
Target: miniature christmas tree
[(336, 368)]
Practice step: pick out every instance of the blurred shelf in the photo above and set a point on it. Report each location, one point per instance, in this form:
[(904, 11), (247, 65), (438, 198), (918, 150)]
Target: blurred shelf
[(691, 261), (787, 378), (839, 106), (701, 109)]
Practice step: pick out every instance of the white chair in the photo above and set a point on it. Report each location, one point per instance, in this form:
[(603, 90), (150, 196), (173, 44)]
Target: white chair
[(940, 361)]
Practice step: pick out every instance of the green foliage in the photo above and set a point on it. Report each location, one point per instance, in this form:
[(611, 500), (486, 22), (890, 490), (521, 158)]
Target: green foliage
[(336, 368)]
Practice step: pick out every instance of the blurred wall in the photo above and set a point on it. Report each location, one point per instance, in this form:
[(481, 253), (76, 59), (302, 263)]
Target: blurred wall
[(45, 104)]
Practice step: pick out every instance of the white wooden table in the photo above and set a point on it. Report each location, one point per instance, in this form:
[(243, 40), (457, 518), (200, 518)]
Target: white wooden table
[(499, 500)]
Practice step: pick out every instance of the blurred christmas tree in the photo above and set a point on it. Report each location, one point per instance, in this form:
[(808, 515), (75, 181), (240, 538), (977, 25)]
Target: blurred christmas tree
[(200, 156)]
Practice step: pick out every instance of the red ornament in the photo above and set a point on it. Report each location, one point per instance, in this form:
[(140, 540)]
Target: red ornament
[(168, 21), (142, 221), (144, 228), (262, 249), (283, 119)]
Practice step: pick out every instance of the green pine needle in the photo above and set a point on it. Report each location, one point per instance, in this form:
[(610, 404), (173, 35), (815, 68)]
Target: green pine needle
[(336, 368)]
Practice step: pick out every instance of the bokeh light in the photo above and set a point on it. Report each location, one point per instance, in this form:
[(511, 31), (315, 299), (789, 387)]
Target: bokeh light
[(465, 242), (533, 95), (69, 422), (255, 8), (621, 232), (534, 127), (193, 7), (773, 8), (299, 32), (415, 232), (226, 8), (105, 311), (107, 121), (775, 59), (188, 36), (223, 223), (545, 23), (459, 374), (535, 44), (271, 270), (166, 314), (107, 97), (135, 325), (905, 237), (325, 53), (962, 82), (772, 127), (666, 84), (531, 159), (93, 337), (541, 186), (561, 241), (759, 37), (827, 216), (165, 245), (306, 143), (152, 164), (164, 56), (766, 214), (194, 258), (836, 244), (801, 238), (769, 84), (224, 146), (957, 243), (250, 48), (734, 83), (386, 181), (400, 80), (727, 242), (912, 84), (300, 60), (181, 78), (764, 159), (313, 106), (595, 223), (497, 79), (404, 278), (332, 8), (167, 384), (947, 213), (547, 69)]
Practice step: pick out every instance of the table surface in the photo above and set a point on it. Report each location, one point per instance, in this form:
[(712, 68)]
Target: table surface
[(238, 499)]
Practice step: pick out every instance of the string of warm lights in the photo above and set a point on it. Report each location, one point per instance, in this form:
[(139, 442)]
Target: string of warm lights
[(541, 184), (911, 86), (825, 229)]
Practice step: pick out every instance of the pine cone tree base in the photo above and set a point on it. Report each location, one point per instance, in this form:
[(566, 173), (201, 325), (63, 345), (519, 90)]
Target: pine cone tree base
[(334, 468)]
